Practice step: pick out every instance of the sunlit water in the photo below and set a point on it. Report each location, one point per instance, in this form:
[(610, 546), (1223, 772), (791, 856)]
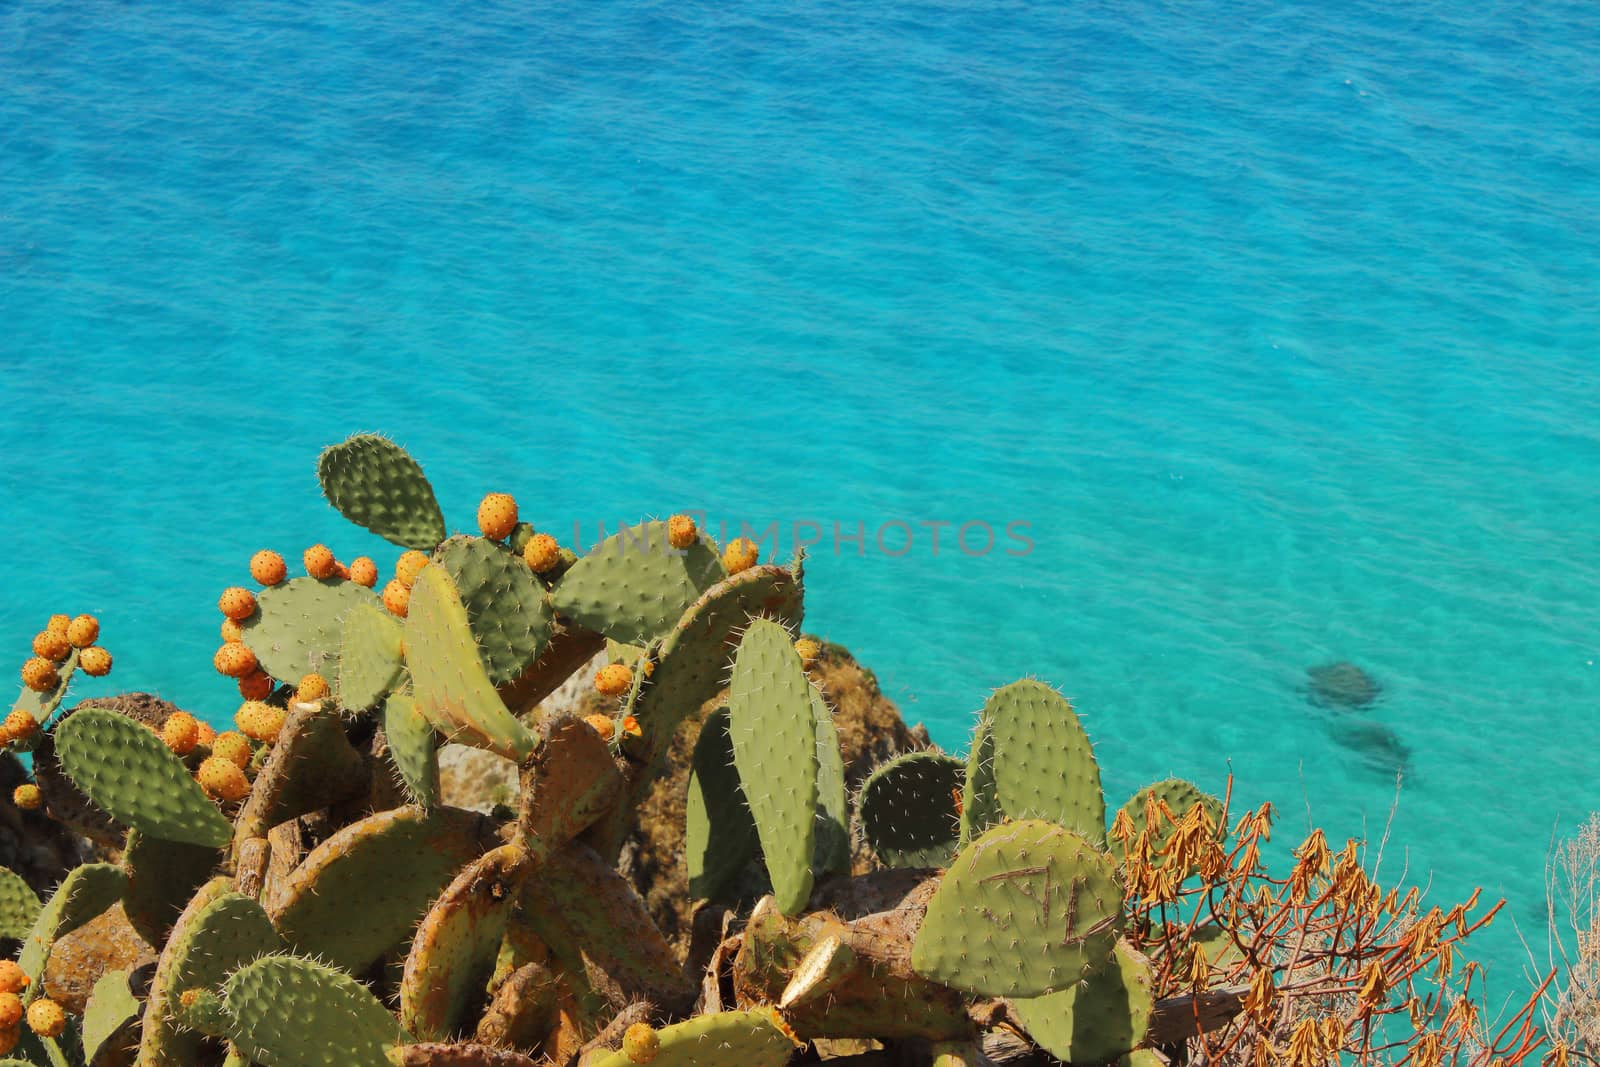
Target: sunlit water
[(1276, 324)]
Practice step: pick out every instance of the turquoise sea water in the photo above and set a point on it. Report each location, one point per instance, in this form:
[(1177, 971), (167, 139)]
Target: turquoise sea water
[(1277, 323)]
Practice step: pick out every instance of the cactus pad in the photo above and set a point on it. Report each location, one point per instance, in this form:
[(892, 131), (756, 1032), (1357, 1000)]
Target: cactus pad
[(84, 893), (19, 905), (634, 585), (980, 806), (571, 782), (360, 892), (833, 804), (41, 705), (293, 1011), (1044, 766), (775, 749), (719, 832), (375, 483), (111, 1007), (908, 809), (412, 749), (130, 775), (507, 608), (369, 656), (1097, 1019), (755, 1038), (298, 626), (447, 676), (162, 877), (1179, 796), (1024, 910)]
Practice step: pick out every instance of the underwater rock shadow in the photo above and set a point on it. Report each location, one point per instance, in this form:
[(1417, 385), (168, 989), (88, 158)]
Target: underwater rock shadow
[(1375, 746), (1342, 686), (1343, 692)]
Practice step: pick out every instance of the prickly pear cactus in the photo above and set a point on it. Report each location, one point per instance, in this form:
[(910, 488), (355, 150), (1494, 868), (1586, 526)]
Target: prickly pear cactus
[(1099, 1018), (412, 748), (634, 585), (298, 626), (370, 663), (85, 893), (908, 809), (833, 803), (290, 1010), (755, 1038), (19, 905), (1044, 766), (980, 805), (719, 831), (375, 483), (507, 609), (1179, 797)]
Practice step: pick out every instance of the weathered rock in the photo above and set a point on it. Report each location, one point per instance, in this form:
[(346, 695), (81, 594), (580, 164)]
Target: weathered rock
[(105, 943), (1342, 685)]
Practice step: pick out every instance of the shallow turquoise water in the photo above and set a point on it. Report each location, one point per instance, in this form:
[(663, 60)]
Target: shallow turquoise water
[(1276, 323)]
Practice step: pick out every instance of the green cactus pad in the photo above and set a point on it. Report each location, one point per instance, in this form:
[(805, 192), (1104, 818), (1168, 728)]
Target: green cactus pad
[(412, 748), (980, 805), (775, 749), (447, 676), (111, 1007), (218, 930), (360, 893), (1044, 766), (298, 627), (571, 782), (1098, 1018), (369, 656), (833, 803), (41, 705), (130, 775), (634, 585), (19, 905), (301, 1013), (719, 831), (311, 766), (84, 893), (755, 1038), (1025, 910), (375, 483), (908, 809), (162, 877), (454, 951), (507, 609), (1179, 796)]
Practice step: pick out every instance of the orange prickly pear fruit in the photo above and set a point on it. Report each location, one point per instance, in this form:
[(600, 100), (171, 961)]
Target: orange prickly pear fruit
[(808, 649), (95, 661), (312, 687), (268, 568), (58, 624), (51, 645), (319, 562), (235, 660), (27, 797), (602, 725), (12, 977), (613, 679), (237, 603), (10, 1010), (222, 779), (408, 566), (541, 553), (46, 1018), (397, 598), (181, 732), (231, 631), (18, 726), (232, 747), (257, 685), (83, 630), (208, 733), (363, 571), (641, 1043), (259, 721), (497, 516), (40, 675), (681, 531), (740, 555), (630, 727)]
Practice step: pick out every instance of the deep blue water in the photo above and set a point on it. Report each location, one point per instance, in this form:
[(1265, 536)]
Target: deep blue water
[(1277, 323)]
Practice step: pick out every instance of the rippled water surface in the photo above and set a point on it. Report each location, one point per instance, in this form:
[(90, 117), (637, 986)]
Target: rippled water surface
[(1276, 323)]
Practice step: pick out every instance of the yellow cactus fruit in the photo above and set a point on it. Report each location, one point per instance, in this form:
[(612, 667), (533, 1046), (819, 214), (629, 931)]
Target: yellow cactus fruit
[(740, 555), (40, 675), (613, 679), (95, 661), (235, 660), (12, 977), (257, 685), (809, 649), (27, 797), (312, 687), (363, 571), (83, 630), (268, 568), (181, 732), (232, 747), (319, 562), (259, 721), (237, 603), (10, 1010), (497, 516), (397, 598), (58, 624), (408, 566), (541, 553), (682, 531), (222, 779), (18, 726), (208, 734), (641, 1043), (46, 1018), (602, 725), (51, 645)]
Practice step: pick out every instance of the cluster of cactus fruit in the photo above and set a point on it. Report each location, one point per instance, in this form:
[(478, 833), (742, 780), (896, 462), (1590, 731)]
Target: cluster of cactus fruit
[(314, 902)]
